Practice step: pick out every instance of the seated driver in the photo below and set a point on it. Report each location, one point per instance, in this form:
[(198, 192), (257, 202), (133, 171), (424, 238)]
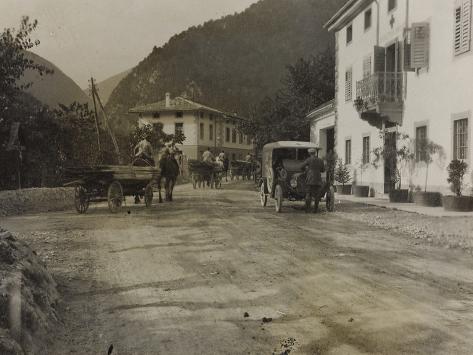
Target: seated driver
[(144, 151)]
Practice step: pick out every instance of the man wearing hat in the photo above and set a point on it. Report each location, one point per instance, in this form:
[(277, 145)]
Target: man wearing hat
[(314, 167)]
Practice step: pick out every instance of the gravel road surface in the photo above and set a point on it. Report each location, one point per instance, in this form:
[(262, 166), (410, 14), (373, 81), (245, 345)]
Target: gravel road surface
[(215, 273)]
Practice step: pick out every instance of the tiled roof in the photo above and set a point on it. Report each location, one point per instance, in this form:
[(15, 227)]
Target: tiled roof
[(176, 104)]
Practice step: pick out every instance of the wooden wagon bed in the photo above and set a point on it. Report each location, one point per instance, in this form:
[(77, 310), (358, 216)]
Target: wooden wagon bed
[(111, 183)]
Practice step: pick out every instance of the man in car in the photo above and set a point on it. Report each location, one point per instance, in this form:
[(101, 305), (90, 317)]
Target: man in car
[(314, 168)]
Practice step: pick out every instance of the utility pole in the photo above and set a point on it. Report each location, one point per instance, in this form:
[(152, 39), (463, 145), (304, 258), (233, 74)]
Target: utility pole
[(92, 89), (106, 120)]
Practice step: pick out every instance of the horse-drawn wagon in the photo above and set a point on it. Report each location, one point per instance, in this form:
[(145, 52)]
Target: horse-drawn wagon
[(111, 183), (242, 168), (205, 174)]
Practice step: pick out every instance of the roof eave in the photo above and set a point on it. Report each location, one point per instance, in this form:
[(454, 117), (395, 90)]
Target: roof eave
[(345, 14)]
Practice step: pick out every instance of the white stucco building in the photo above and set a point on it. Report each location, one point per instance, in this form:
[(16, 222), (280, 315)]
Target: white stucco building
[(402, 65), (204, 127)]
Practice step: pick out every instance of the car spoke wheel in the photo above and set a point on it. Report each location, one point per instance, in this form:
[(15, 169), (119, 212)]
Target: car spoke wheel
[(115, 196), (262, 195), (330, 199), (81, 200), (278, 197), (149, 195)]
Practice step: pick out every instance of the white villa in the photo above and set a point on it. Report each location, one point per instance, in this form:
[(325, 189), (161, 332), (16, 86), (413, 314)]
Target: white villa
[(403, 65), (204, 127)]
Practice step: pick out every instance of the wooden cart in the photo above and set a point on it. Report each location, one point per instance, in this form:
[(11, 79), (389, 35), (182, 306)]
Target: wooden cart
[(111, 183), (203, 174), (241, 168)]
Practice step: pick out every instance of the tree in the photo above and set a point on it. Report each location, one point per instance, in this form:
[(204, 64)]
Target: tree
[(13, 62), (456, 172), (342, 173), (427, 151), (308, 84), (396, 157)]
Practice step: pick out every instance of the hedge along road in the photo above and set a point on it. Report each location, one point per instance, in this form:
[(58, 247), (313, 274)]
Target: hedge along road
[(199, 275)]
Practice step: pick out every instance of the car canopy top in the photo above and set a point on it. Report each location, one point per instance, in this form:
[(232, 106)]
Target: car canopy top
[(271, 148)]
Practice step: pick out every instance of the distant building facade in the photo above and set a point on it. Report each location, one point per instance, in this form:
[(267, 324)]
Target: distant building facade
[(407, 66), (204, 127)]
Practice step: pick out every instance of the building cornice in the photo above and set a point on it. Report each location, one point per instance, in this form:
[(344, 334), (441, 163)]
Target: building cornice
[(322, 110), (346, 14)]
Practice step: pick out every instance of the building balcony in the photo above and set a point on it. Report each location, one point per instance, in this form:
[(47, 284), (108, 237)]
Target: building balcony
[(379, 98)]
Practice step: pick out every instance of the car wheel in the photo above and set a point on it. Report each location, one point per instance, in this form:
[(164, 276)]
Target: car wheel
[(263, 196), (278, 197), (330, 199)]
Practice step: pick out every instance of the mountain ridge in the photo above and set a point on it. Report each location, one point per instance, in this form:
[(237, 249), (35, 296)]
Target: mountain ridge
[(52, 89), (231, 63)]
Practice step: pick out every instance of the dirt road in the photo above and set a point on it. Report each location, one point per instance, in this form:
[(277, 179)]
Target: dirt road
[(199, 275)]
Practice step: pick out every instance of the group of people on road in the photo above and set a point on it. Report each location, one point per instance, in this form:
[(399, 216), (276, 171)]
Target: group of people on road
[(168, 165), (221, 160)]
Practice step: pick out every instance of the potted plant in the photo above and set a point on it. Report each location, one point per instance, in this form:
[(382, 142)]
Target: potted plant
[(428, 152), (458, 202), (342, 176), (361, 190), (397, 158)]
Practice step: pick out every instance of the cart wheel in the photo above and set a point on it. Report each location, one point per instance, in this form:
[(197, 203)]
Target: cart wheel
[(81, 200), (149, 195), (262, 195), (330, 199), (278, 197), (115, 196)]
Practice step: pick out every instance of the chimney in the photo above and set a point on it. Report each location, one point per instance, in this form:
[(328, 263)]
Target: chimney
[(168, 100)]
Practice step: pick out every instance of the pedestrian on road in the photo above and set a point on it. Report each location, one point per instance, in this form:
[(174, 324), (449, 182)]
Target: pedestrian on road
[(314, 167), (208, 157), (163, 167), (226, 164)]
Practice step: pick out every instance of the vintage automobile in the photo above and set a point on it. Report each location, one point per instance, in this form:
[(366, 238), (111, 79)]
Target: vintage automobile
[(282, 177)]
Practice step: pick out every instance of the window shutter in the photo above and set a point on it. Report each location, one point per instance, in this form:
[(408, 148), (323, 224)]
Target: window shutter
[(420, 39), (348, 84), (465, 25), (379, 59)]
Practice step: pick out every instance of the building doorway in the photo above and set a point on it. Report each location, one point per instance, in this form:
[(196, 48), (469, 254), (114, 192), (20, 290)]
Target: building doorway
[(390, 163), (330, 140)]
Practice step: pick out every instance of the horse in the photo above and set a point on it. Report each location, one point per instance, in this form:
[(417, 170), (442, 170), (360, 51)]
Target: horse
[(169, 171)]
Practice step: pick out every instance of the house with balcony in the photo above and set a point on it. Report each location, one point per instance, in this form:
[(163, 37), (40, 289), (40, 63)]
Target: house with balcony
[(203, 126), (403, 66)]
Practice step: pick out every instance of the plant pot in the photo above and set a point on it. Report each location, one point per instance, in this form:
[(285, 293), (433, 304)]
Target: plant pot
[(399, 196), (458, 203), (361, 190), (344, 189), (428, 199)]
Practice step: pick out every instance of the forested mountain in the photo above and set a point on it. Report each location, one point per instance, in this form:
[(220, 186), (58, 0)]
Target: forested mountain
[(231, 63), (52, 89)]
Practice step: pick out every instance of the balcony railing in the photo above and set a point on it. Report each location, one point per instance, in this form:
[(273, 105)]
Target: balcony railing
[(380, 87)]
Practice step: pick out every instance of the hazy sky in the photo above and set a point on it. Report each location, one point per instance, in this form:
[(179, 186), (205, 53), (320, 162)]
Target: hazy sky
[(105, 37)]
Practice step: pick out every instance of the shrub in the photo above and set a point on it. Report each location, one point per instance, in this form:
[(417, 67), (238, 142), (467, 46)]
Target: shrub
[(456, 172), (342, 173)]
